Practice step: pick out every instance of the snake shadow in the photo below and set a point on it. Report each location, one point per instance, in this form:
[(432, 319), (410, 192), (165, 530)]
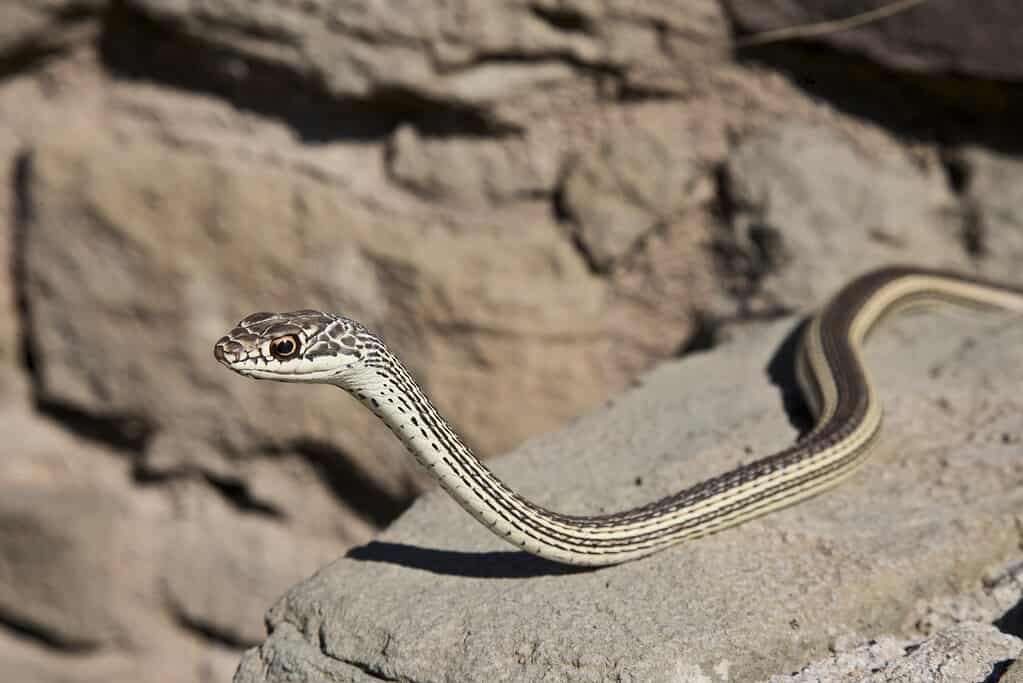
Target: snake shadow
[(781, 371), (511, 564)]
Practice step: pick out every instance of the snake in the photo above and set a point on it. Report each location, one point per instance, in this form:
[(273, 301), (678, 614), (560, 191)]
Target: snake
[(313, 346)]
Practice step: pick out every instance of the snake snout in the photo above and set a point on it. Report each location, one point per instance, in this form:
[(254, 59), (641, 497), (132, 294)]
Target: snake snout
[(228, 351)]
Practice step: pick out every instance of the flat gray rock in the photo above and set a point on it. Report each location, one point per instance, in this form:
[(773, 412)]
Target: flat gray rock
[(436, 597)]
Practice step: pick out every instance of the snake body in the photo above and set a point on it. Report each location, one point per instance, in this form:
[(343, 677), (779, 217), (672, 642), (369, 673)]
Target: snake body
[(312, 346)]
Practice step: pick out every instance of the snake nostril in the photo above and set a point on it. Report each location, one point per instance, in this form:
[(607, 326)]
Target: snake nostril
[(224, 347)]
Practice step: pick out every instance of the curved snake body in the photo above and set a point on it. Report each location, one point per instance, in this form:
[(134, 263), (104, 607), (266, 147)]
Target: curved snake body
[(312, 346)]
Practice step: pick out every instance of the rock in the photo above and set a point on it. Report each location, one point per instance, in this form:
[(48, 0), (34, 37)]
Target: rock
[(181, 660), (993, 217), (69, 550), (41, 25), (381, 46), (854, 663), (965, 652), (220, 569), (1014, 673), (630, 184), (231, 509), (160, 297), (115, 578), (499, 59), (968, 651), (807, 212), (12, 376), (996, 601), (33, 103), (472, 172), (933, 507), (26, 661), (927, 37), (190, 161), (665, 286)]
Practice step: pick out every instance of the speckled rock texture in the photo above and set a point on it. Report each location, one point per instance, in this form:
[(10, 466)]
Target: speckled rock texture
[(535, 202), (965, 652)]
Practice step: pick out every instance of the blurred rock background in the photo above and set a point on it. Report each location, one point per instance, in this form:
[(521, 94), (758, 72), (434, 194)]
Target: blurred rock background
[(533, 201)]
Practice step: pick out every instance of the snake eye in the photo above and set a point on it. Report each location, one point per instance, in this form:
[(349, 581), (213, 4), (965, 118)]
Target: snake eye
[(284, 347)]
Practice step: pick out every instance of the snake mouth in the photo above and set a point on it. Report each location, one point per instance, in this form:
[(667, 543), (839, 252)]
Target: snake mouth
[(309, 376), (234, 355)]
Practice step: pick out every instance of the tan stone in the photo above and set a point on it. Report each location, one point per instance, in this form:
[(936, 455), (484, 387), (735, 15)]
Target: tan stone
[(167, 251), (115, 576), (13, 385), (219, 569), (176, 659), (630, 184), (808, 211), (47, 24), (73, 557), (486, 57), (473, 172)]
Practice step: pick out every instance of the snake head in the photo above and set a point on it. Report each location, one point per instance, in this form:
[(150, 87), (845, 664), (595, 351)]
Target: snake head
[(298, 346)]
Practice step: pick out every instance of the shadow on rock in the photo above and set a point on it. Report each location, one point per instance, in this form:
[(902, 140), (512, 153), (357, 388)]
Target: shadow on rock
[(493, 565), (781, 370)]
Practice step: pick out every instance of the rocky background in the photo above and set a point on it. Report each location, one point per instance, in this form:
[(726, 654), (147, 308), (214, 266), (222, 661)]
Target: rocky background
[(533, 201)]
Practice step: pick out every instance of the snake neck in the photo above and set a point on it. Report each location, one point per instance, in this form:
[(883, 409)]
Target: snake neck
[(387, 388)]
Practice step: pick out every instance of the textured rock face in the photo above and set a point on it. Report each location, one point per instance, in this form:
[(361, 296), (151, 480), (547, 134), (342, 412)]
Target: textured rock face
[(994, 206), (498, 59), (944, 492), (928, 36), (965, 652), (629, 186), (46, 24), (533, 202), (12, 380), (90, 243), (99, 572), (808, 210)]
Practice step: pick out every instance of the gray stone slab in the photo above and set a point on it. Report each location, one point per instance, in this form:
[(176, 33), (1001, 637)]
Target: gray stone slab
[(437, 598)]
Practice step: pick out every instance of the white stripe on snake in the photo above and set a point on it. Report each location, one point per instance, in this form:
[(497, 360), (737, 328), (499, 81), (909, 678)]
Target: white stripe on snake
[(326, 348)]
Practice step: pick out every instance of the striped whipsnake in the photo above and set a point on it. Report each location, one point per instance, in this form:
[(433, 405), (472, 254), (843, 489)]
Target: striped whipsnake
[(311, 346)]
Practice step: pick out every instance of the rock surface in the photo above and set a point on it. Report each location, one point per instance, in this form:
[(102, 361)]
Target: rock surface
[(13, 385), (107, 568), (202, 271), (534, 201), (993, 206), (1014, 673), (500, 60), (40, 25), (965, 652), (808, 210), (924, 517), (631, 184), (927, 36)]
